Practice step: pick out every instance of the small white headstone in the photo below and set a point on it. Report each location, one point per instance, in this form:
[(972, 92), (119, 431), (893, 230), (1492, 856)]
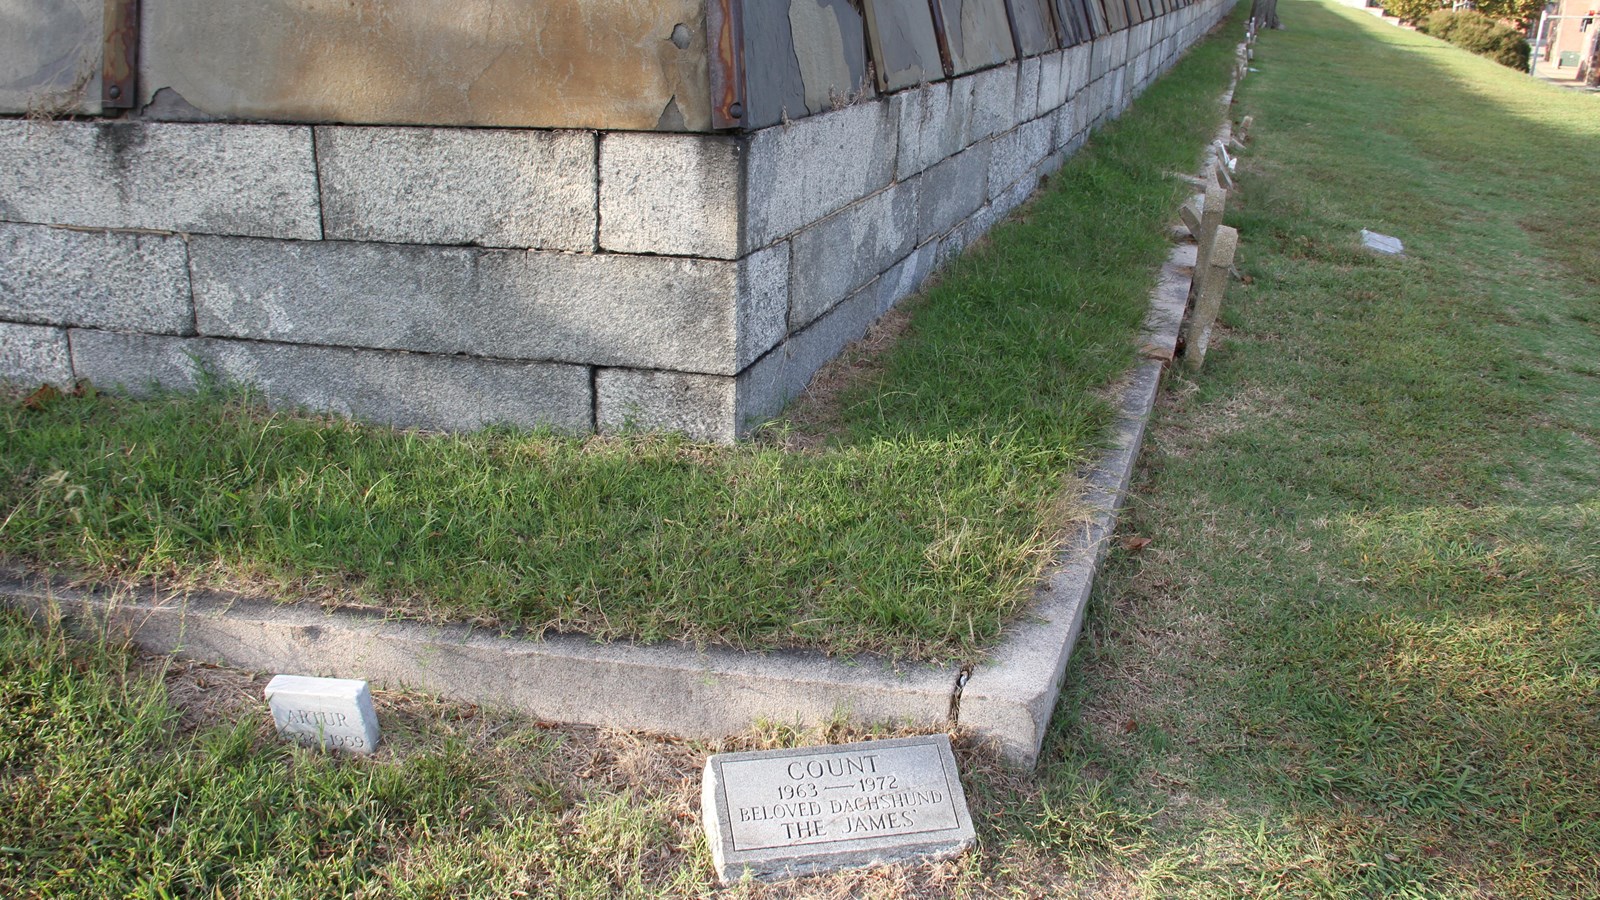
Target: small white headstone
[(1382, 243), (782, 813), (330, 713)]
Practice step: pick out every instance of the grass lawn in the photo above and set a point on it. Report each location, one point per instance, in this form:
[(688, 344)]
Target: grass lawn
[(1360, 656), (909, 514)]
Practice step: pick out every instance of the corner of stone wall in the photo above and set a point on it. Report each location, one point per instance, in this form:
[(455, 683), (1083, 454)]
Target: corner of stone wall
[(578, 279)]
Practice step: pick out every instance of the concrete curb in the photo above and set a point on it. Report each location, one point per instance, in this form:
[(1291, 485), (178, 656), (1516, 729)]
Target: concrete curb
[(1010, 698), (668, 688)]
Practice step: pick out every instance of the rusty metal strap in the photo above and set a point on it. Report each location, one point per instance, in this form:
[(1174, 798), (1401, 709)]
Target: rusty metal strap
[(120, 70), (725, 46)]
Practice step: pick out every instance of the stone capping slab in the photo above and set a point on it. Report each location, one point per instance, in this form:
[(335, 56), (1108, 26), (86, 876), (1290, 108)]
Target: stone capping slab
[(667, 688), (901, 800)]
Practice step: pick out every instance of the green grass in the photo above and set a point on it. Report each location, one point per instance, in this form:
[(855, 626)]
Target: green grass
[(107, 793), (914, 526), (1360, 656)]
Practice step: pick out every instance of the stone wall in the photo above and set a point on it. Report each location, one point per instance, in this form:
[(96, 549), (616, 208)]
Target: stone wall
[(579, 278)]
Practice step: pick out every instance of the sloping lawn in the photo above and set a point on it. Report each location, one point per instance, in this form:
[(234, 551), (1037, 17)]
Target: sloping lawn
[(1360, 656)]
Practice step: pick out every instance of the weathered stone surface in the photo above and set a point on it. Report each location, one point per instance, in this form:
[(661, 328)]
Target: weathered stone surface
[(257, 180), (1066, 125), (56, 276), (1050, 165), (1028, 76), (802, 57), (1036, 29), (1139, 73), (1017, 194), (1097, 95), (50, 56), (1016, 152), (800, 172), (903, 43), (782, 374), (1051, 94), (670, 194), (1119, 49), (1099, 26), (1143, 35), (935, 123), (490, 187), (702, 407), (1099, 58), (781, 813), (902, 280), (761, 319), (978, 33), (994, 102), (596, 64), (952, 190), (1121, 96), (846, 250), (1077, 24), (327, 713), (1116, 16), (452, 393), (976, 226), (31, 355), (1076, 67), (646, 312)]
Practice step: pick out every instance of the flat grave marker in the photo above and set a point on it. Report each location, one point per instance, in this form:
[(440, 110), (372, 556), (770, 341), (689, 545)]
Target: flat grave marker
[(783, 813), (329, 713), (1382, 243)]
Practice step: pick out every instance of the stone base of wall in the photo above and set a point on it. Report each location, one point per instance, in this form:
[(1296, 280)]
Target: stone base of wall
[(583, 280)]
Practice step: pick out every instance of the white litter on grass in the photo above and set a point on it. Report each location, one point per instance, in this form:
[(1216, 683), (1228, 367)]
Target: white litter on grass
[(1382, 243)]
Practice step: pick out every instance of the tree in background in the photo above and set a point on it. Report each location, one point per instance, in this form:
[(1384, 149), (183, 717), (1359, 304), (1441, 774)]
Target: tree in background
[(1477, 33), (1265, 12), (1412, 10), (1522, 12)]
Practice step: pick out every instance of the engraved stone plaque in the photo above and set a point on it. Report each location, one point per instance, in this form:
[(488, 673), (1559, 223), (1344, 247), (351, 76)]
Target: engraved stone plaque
[(782, 813), (331, 713)]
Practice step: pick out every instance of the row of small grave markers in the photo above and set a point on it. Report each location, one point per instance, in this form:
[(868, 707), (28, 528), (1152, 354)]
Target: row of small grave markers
[(1247, 51), (1216, 245)]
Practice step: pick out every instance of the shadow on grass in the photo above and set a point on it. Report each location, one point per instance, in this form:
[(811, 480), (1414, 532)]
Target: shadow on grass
[(1357, 658)]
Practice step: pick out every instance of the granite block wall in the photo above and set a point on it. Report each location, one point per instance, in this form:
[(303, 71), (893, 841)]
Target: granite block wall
[(583, 279)]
